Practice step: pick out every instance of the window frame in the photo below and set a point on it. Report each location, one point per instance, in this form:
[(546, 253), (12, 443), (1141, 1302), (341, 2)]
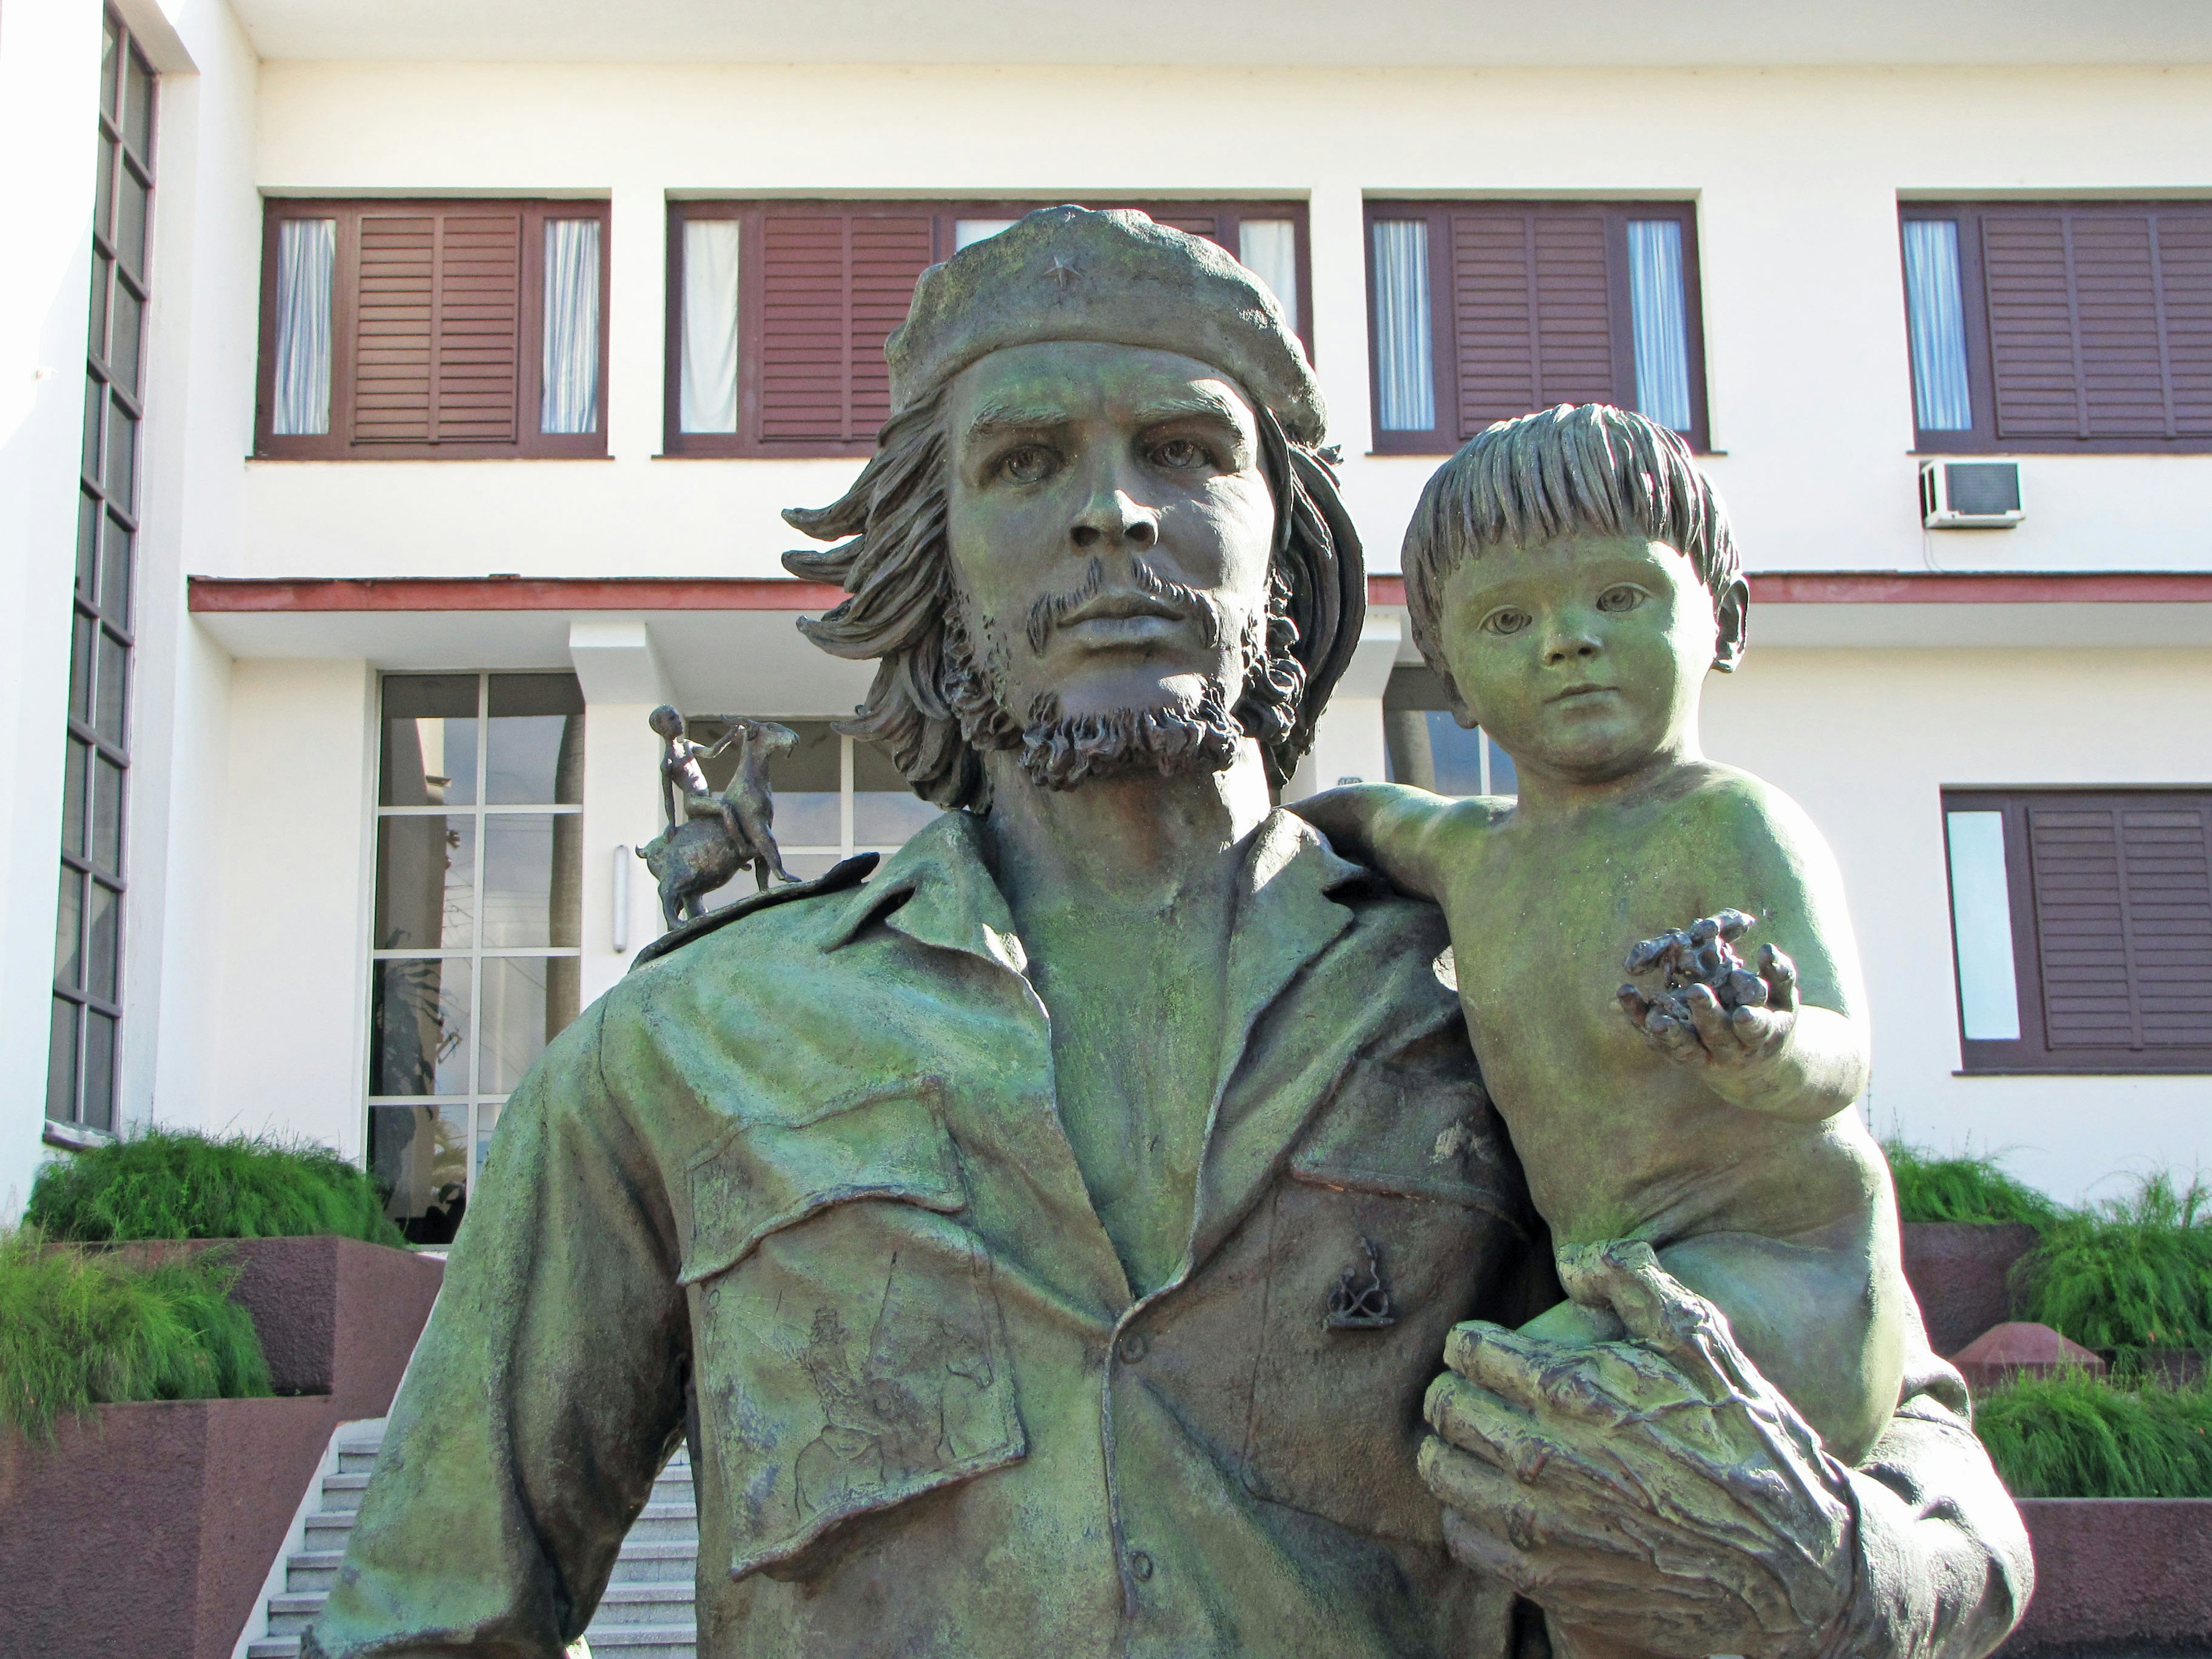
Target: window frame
[(745, 443), (1983, 437), (1443, 344), (2030, 1053), (337, 444)]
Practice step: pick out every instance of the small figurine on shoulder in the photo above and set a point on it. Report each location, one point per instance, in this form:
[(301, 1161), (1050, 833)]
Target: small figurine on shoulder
[(710, 837)]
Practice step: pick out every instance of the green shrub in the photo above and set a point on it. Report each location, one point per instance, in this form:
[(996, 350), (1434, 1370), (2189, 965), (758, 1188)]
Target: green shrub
[(2073, 1436), (166, 1184), (2128, 1274), (1930, 1188), (78, 1328)]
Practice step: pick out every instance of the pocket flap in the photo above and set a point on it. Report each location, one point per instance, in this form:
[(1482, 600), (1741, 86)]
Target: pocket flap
[(1417, 1124), (758, 1177)]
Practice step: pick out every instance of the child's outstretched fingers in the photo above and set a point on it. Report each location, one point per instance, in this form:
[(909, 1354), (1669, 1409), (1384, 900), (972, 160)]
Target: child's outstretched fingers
[(1781, 976), (1710, 1019)]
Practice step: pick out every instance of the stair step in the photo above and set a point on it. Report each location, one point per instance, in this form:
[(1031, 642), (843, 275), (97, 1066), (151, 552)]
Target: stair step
[(286, 1647), (657, 1604), (645, 1641), (656, 1564)]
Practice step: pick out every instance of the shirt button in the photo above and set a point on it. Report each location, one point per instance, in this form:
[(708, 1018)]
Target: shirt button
[(1132, 1348), (1141, 1566)]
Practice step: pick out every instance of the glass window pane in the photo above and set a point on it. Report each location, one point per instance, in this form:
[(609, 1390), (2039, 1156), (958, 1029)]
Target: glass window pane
[(131, 203), (98, 1104), (1660, 318), (80, 702), (68, 932), (537, 753), (426, 873), (527, 1001), (805, 783), (707, 393), (1981, 927), (1455, 751), (115, 576), (75, 773), (138, 104), (1504, 779), (421, 1155), (122, 456), (1937, 324), (123, 341), (418, 1026), (306, 254), (1269, 249), (107, 815), (570, 402), (1405, 364), (61, 1063), (103, 967), (529, 896), (487, 1126), (97, 326), (95, 402), (104, 190), (885, 810), (111, 48), (88, 544), (112, 681), (429, 740), (966, 233)]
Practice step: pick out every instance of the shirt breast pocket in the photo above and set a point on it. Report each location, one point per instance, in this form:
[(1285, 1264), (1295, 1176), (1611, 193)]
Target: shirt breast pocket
[(1401, 1209), (848, 1349)]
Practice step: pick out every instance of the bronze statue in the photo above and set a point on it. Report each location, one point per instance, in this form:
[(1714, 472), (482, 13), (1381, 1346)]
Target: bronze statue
[(710, 837), (1051, 1243)]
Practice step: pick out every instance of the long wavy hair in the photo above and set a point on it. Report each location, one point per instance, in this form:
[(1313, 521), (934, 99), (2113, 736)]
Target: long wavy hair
[(902, 612)]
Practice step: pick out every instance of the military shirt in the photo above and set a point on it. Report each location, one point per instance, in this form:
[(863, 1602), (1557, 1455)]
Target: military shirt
[(800, 1190)]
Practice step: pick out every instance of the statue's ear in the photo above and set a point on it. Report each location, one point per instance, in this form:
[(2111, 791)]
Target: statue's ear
[(1733, 623)]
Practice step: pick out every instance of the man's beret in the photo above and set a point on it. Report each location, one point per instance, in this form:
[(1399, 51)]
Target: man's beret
[(1116, 277)]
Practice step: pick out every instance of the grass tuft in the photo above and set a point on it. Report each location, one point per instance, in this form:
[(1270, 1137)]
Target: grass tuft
[(2073, 1436), (1930, 1188), (77, 1330), (168, 1184), (2129, 1274)]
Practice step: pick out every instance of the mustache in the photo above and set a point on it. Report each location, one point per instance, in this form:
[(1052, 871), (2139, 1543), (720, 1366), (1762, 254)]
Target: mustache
[(1189, 603)]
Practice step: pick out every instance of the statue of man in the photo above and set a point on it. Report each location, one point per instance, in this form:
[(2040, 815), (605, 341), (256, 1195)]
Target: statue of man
[(1050, 1244)]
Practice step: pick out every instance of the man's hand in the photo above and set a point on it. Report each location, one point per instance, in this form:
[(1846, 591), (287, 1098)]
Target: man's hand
[(1658, 1489)]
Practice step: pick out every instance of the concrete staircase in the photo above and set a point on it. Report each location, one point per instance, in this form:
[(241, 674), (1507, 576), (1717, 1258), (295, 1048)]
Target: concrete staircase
[(646, 1612)]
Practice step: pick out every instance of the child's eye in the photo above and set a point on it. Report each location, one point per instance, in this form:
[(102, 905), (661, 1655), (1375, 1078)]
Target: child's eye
[(1623, 597), (1027, 463), (1505, 621)]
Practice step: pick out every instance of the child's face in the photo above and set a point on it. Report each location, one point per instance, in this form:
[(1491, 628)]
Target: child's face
[(1582, 656)]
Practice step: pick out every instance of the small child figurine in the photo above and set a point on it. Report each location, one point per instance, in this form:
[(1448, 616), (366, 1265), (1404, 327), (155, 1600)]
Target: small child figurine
[(1571, 577), (685, 791)]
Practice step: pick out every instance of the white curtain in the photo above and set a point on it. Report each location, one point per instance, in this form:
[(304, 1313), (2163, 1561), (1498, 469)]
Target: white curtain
[(1269, 249), (1405, 367), (1661, 321), (707, 392), (1937, 324), (306, 251), (966, 233), (571, 403)]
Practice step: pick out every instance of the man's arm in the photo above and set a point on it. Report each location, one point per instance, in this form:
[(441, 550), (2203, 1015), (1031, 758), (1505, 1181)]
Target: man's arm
[(543, 1399), (1404, 832), (1662, 1490)]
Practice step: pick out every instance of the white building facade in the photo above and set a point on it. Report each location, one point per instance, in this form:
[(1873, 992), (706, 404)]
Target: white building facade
[(448, 368)]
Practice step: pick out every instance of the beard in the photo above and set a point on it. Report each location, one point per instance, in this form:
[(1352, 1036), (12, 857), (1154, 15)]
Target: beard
[(1188, 736)]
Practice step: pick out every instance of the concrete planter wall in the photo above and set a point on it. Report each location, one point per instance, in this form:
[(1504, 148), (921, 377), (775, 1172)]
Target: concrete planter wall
[(150, 1529), (1960, 1272), (2119, 1576)]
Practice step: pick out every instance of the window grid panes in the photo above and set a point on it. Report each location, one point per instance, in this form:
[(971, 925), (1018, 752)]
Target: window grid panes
[(88, 1006), (475, 963), (1425, 746)]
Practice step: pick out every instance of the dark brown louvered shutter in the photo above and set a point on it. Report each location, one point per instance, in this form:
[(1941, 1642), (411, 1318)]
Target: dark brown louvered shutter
[(437, 338), (2100, 322), (1532, 313), (2123, 906), (833, 286)]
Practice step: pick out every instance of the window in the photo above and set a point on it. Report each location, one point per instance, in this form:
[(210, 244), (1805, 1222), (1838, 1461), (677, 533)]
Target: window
[(1427, 747), (2060, 326), (1481, 311), (474, 965), (2081, 927), (88, 1006), (834, 797), (397, 330), (778, 310)]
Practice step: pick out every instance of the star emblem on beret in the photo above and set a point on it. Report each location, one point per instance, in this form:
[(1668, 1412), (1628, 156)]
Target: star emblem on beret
[(1061, 272)]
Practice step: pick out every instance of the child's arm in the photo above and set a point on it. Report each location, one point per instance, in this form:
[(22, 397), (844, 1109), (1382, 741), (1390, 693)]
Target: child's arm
[(1804, 1054), (1399, 830)]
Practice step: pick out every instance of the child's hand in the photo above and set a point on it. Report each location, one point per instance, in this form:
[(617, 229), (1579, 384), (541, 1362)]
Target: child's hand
[(1739, 1051)]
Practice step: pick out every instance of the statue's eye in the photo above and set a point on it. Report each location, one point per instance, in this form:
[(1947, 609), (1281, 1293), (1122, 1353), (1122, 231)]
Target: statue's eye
[(1626, 597), (1028, 463), (1182, 455), (1505, 620)]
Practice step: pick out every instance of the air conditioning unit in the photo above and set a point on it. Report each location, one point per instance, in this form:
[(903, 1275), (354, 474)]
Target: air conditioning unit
[(1970, 495)]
